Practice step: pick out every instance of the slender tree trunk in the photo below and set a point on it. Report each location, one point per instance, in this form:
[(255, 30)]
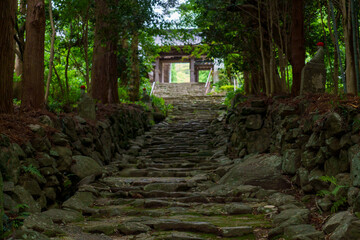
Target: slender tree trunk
[(51, 60), (124, 79), (33, 86), (335, 75), (86, 47), (113, 94), (324, 33), (297, 44), (348, 39), (104, 69), (7, 55), (59, 81), (267, 87), (20, 41), (18, 65), (67, 65), (272, 57), (247, 82), (135, 71)]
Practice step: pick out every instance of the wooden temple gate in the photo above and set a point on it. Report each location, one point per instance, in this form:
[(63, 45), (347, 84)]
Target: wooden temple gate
[(162, 68)]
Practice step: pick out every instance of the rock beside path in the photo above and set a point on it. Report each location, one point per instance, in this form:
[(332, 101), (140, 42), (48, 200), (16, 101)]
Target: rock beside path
[(259, 170)]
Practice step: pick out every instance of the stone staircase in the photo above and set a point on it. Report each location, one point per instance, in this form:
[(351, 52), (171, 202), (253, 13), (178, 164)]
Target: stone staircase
[(174, 90), (159, 190)]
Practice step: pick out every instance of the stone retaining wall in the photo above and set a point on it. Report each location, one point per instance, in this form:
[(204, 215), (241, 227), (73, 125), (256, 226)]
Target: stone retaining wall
[(45, 171), (312, 144)]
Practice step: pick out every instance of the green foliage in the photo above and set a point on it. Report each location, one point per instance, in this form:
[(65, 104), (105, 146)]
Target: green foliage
[(203, 76), (230, 95), (322, 193), (13, 220), (227, 88), (159, 103), (123, 94), (32, 170)]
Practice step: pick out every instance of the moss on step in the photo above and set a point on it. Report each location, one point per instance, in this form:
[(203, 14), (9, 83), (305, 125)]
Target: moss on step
[(162, 234), (229, 221)]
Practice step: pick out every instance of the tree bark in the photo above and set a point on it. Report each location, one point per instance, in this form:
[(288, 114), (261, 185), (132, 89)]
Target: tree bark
[(51, 60), (33, 86), (266, 79), (104, 69), (135, 71), (335, 75), (86, 46), (350, 70), (247, 82), (297, 44), (124, 79), (7, 54), (67, 87)]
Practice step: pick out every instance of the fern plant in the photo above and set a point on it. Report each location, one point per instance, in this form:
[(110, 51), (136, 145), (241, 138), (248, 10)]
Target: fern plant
[(32, 170), (322, 193)]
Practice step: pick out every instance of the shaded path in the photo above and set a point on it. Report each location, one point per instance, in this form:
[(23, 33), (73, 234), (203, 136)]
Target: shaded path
[(158, 190)]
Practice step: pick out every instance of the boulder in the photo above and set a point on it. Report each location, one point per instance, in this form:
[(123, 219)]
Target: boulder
[(21, 196), (42, 223), (254, 122), (347, 230), (63, 216), (27, 234), (230, 232), (355, 170), (336, 220), (81, 201), (333, 124), (85, 166), (258, 141), (292, 213), (258, 170), (238, 208), (132, 228), (334, 166), (303, 231), (291, 161)]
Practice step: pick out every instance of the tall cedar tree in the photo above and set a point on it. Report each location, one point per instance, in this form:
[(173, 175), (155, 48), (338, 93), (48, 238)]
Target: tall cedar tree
[(33, 68), (104, 71), (297, 44), (7, 53), (135, 71)]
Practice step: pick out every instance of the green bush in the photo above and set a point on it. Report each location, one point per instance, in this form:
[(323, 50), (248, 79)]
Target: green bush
[(342, 201), (159, 103), (227, 88), (230, 95)]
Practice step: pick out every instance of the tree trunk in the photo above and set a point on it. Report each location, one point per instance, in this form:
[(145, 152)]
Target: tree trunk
[(246, 82), (33, 86), (59, 81), (335, 75), (104, 69), (51, 60), (297, 44), (7, 54), (350, 70), (124, 79), (67, 87), (20, 41), (86, 47), (135, 71), (266, 79)]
